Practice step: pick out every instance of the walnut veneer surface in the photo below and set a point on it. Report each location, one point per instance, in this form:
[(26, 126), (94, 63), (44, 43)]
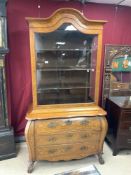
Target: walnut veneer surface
[(65, 139)]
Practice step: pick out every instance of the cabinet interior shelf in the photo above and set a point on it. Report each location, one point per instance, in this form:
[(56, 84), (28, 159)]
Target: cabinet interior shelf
[(66, 69), (120, 90), (61, 88), (62, 49)]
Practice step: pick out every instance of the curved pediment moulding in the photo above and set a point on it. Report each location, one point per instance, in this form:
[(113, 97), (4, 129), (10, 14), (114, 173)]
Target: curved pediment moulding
[(66, 15)]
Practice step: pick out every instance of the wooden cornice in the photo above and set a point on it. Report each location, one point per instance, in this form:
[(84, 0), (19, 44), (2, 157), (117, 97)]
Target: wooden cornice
[(65, 15)]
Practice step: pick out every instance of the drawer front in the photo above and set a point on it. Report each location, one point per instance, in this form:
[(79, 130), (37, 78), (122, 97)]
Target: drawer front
[(124, 141), (65, 151), (126, 116), (69, 137), (125, 128), (60, 125)]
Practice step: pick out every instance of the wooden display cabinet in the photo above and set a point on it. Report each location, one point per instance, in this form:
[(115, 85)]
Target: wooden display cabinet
[(64, 120)]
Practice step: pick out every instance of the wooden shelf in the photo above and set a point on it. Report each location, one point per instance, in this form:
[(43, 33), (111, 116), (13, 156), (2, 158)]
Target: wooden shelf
[(61, 88), (66, 69)]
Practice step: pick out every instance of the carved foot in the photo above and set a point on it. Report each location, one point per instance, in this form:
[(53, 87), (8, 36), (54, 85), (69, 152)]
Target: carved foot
[(100, 158), (115, 152), (30, 167)]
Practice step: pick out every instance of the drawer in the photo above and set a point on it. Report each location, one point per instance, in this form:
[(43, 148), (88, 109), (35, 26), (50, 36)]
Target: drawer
[(125, 127), (65, 151), (64, 125), (124, 141), (126, 116), (69, 137)]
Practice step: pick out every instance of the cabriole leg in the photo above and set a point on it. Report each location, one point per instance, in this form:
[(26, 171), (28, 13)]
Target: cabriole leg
[(30, 167), (100, 158)]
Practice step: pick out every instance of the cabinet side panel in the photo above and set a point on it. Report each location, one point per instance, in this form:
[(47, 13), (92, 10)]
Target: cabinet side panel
[(29, 134), (104, 127)]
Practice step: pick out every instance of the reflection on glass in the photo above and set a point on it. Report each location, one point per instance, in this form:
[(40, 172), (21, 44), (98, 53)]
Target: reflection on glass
[(66, 65), (122, 101), (121, 75)]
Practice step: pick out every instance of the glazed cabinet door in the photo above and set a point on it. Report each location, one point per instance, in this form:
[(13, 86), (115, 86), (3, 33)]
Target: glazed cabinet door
[(65, 66)]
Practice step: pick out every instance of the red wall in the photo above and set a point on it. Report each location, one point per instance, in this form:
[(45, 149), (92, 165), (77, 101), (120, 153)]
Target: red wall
[(116, 31)]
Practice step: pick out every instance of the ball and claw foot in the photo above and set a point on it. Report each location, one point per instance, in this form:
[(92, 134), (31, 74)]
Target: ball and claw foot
[(31, 167), (100, 158)]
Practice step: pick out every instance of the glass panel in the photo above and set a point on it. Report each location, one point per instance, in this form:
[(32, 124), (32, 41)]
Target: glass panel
[(117, 73), (66, 65), (2, 123), (120, 81), (3, 42), (1, 32)]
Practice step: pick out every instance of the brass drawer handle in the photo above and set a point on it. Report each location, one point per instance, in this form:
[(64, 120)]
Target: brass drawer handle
[(52, 139), (69, 135), (128, 140), (84, 122), (83, 148), (68, 122), (52, 151), (84, 136), (67, 148), (52, 125)]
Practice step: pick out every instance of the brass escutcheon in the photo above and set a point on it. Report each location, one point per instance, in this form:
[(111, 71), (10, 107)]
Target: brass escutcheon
[(69, 135), (52, 125), (83, 148), (84, 136), (84, 122), (68, 122), (52, 139), (52, 151), (67, 148)]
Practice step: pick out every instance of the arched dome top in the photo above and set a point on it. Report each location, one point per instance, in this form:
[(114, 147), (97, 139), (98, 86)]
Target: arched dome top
[(66, 15)]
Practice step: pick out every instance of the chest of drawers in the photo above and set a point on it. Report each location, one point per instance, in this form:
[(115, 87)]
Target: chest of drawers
[(65, 138), (119, 119)]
